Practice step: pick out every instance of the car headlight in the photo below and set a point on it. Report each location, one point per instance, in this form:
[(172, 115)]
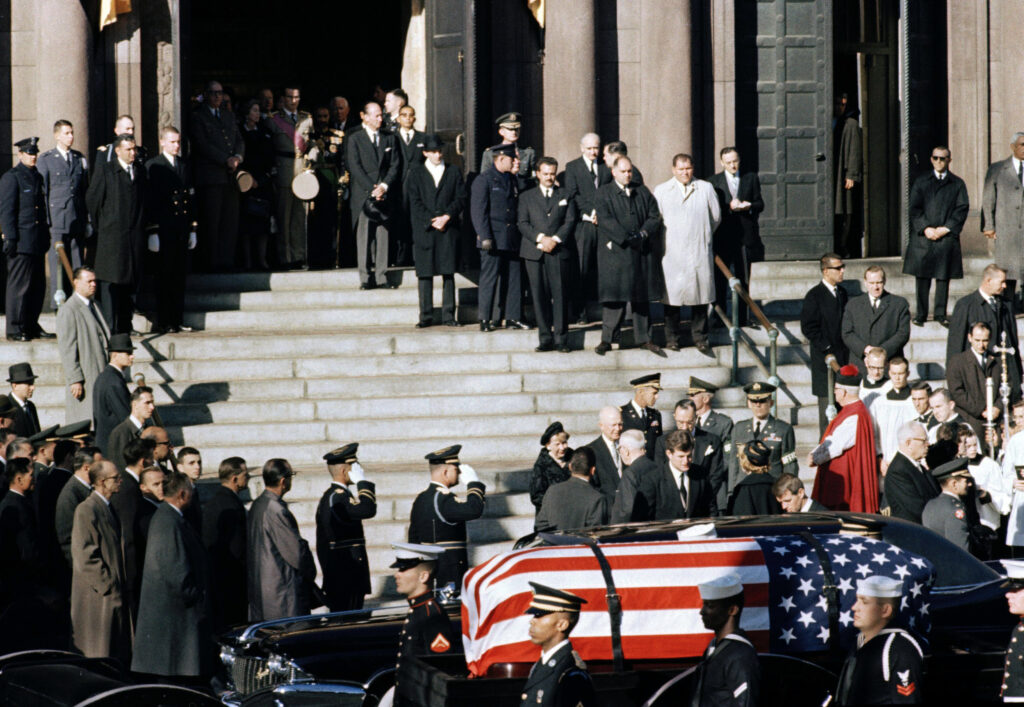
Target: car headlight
[(284, 668)]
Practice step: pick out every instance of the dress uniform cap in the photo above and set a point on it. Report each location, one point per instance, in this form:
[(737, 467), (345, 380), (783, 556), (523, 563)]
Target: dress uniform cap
[(121, 343), (547, 600), (511, 119), (448, 455), (29, 145), (75, 430), (728, 585), (508, 150), (697, 385), (342, 455), (553, 429), (758, 391), (758, 453), (409, 555), (42, 435), (433, 143), (7, 406), (651, 380), (957, 467), (1014, 573), (700, 530), (21, 373), (848, 375), (881, 587)]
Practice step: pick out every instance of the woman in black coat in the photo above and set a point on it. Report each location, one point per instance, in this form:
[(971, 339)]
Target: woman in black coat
[(753, 494), (552, 465), (258, 202)]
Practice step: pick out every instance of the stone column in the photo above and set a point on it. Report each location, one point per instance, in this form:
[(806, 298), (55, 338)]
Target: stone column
[(414, 62), (64, 42), (570, 107), (723, 71)]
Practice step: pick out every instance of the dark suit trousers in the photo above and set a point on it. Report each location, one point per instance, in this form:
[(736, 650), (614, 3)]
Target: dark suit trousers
[(372, 252), (501, 288), (550, 305), (426, 288), (170, 267), (924, 284), (698, 324), (612, 314), (73, 245), (26, 284), (218, 226), (585, 287), (116, 305)]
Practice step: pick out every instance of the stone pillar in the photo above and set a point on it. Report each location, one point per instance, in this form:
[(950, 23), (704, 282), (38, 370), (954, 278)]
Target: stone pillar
[(124, 74), (569, 76), (723, 72), (414, 62), (64, 45)]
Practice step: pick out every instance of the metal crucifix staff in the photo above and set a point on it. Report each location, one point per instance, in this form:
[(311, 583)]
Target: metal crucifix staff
[(1004, 385)]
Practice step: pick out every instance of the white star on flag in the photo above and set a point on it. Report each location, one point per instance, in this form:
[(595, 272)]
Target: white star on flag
[(835, 541), (803, 560), (845, 584), (903, 602), (787, 603), (863, 570), (917, 562), (880, 558), (822, 603), (806, 586), (846, 618), (787, 572), (857, 547), (916, 589), (841, 560), (805, 618), (824, 633), (787, 636), (781, 549), (901, 571), (924, 609)]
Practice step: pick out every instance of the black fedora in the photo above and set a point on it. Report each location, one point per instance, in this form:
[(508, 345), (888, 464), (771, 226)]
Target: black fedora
[(21, 373)]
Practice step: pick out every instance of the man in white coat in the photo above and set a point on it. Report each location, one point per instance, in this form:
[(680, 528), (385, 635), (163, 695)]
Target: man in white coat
[(691, 213), (82, 336)]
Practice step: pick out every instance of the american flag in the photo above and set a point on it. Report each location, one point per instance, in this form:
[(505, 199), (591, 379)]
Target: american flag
[(785, 609)]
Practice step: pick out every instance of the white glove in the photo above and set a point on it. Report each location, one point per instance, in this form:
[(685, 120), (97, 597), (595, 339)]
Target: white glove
[(192, 240), (154, 243), (468, 473), (313, 154), (356, 473)]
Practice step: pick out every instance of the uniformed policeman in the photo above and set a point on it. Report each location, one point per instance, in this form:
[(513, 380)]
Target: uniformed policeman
[(640, 414), (1013, 673), (885, 667), (509, 126), (340, 543), (946, 514), (730, 674), (702, 393), (559, 677), (26, 238), (439, 517), (778, 435)]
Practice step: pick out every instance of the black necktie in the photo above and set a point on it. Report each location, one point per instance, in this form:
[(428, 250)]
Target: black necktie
[(757, 430), (1020, 172), (216, 112), (593, 171), (682, 489), (67, 158), (992, 301), (30, 411)]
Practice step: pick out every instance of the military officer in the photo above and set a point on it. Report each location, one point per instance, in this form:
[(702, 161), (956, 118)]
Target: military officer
[(340, 543), (438, 517), (509, 126), (1013, 674), (559, 677), (885, 667), (291, 130), (946, 514), (730, 674), (778, 435), (26, 238), (640, 414), (702, 393)]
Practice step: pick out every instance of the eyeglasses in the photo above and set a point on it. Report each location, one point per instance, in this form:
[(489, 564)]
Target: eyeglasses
[(939, 158), (835, 267)]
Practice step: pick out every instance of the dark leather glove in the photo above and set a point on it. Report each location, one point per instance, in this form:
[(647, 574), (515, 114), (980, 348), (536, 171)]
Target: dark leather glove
[(10, 247)]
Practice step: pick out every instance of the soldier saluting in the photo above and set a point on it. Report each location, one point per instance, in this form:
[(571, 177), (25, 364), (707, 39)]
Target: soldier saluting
[(340, 542), (559, 677), (439, 517)]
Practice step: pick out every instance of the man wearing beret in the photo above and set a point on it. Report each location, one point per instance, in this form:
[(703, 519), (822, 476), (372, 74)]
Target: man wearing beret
[(778, 435), (946, 514), (640, 413), (340, 543), (509, 128), (559, 677)]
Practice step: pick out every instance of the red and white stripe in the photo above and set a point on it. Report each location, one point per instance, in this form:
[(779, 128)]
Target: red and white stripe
[(657, 583)]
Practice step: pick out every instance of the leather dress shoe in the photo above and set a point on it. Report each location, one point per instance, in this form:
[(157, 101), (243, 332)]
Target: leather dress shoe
[(603, 348), (653, 348), (486, 325), (917, 321), (18, 337), (673, 346), (564, 348), (424, 325), (452, 322), (40, 334), (516, 324), (706, 349), (545, 347), (367, 286), (942, 321)]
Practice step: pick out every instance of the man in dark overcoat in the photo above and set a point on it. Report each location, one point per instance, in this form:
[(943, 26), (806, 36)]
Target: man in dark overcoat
[(966, 374), (849, 171), (987, 304), (583, 177), (437, 196), (224, 536), (820, 320), (875, 318), (938, 209), (111, 400), (628, 256)]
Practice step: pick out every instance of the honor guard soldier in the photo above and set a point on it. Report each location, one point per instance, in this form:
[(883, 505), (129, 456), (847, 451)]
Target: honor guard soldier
[(559, 677), (640, 414), (509, 128), (885, 667), (775, 433), (730, 673), (439, 518), (340, 543), (1013, 674), (702, 393), (946, 514)]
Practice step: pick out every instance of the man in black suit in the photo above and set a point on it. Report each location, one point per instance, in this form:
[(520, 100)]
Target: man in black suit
[(170, 208), (640, 413), (374, 163), (24, 420), (410, 141), (607, 458), (46, 494), (966, 374), (583, 177), (26, 238), (821, 319), (76, 490), (111, 400), (151, 484), (708, 449), (738, 239), (876, 318), (628, 262), (789, 491), (19, 534), (987, 304), (908, 485), (437, 197), (131, 427), (225, 540), (547, 219), (116, 200), (125, 502), (574, 503), (65, 174)]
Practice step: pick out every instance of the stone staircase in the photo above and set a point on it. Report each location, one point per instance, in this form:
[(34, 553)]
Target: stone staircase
[(293, 364)]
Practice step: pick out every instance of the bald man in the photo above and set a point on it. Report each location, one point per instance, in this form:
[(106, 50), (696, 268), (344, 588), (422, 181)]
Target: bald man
[(606, 452)]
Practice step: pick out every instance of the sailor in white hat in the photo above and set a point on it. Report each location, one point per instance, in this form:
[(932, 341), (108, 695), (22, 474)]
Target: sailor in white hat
[(1013, 673), (730, 673), (885, 667)]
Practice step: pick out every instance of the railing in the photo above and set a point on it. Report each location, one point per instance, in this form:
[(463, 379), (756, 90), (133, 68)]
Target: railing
[(833, 369), (734, 333)]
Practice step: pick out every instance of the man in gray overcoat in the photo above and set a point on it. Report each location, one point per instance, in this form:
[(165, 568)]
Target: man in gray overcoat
[(281, 568), (1002, 213), (82, 336)]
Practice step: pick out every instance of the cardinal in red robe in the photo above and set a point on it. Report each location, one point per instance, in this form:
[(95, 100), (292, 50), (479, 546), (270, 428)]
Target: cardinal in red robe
[(846, 459)]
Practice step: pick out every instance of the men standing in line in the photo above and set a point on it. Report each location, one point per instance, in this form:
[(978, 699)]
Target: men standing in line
[(987, 304), (436, 194), (730, 673), (170, 208), (627, 257), (26, 238), (151, 484), (691, 213), (130, 428), (574, 503), (374, 163), (908, 485), (547, 219), (875, 318), (126, 503), (65, 174), (116, 200), (559, 677), (76, 490), (1002, 215), (19, 535), (291, 128), (509, 127), (24, 421), (821, 319), (583, 177), (281, 570), (708, 452), (394, 101), (966, 374), (849, 205), (606, 452), (778, 435), (111, 401), (493, 209), (702, 393), (224, 537), (640, 413), (938, 209), (439, 518), (82, 336), (340, 542), (738, 238)]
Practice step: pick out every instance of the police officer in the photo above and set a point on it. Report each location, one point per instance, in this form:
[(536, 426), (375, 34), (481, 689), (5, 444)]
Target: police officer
[(26, 238), (946, 514), (775, 433), (730, 674), (559, 677), (640, 414), (340, 543), (1013, 674), (509, 126), (439, 518), (885, 667), (493, 207)]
